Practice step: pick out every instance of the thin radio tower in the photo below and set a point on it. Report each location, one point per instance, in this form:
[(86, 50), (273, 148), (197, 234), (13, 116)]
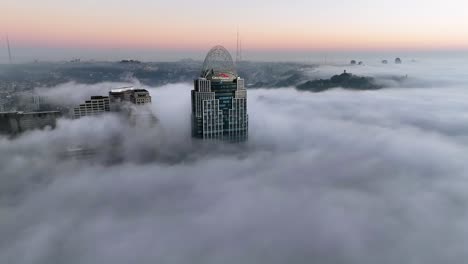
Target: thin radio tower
[(9, 50), (238, 49)]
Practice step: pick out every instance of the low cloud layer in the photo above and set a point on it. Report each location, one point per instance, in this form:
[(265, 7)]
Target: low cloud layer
[(73, 93), (424, 72), (335, 177)]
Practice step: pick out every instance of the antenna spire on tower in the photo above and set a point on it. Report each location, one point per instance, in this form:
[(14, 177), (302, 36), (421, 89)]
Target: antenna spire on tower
[(239, 48), (9, 50)]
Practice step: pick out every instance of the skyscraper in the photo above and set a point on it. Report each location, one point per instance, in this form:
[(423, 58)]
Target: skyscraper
[(219, 100)]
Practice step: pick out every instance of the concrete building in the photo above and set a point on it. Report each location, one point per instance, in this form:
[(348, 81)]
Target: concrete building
[(133, 103), (219, 100), (141, 96), (18, 122), (127, 101), (130, 95), (38, 101), (120, 96), (96, 106), (29, 101), (79, 153)]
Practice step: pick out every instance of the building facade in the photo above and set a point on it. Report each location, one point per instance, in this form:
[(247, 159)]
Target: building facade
[(140, 97), (219, 100), (127, 101), (97, 105), (18, 122), (134, 103), (131, 95)]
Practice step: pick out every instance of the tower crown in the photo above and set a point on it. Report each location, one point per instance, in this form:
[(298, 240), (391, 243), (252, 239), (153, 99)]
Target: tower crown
[(218, 65)]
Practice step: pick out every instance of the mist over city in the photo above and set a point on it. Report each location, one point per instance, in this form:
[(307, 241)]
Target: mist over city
[(264, 139)]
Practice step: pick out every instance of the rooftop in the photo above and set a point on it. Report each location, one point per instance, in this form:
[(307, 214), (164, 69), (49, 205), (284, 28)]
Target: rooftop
[(29, 113), (123, 89)]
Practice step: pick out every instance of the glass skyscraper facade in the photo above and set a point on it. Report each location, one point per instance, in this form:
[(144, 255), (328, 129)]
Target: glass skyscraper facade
[(219, 100)]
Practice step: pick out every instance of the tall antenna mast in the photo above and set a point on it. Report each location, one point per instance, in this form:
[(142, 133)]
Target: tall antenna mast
[(9, 50), (240, 49), (238, 55)]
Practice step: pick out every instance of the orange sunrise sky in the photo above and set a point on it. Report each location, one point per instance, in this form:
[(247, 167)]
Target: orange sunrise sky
[(290, 26)]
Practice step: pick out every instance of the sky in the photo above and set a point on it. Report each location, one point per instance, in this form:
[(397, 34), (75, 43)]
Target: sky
[(176, 29), (355, 177)]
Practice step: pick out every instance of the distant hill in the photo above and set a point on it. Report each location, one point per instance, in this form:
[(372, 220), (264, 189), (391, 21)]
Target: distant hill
[(256, 74), (344, 80)]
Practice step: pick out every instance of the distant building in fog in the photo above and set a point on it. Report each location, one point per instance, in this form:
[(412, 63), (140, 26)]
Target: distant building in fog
[(79, 153), (18, 122), (120, 96), (141, 96), (219, 100), (96, 106), (130, 61), (128, 100), (38, 101)]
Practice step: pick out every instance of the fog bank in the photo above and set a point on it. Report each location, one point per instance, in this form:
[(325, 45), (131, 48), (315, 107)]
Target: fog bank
[(335, 177)]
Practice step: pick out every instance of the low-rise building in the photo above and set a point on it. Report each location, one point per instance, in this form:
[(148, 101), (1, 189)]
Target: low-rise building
[(97, 105), (127, 101), (18, 122)]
